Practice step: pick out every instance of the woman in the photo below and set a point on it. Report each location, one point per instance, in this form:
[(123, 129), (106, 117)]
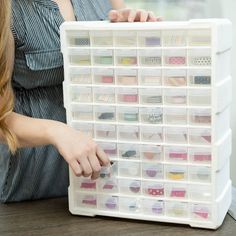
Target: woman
[(38, 121)]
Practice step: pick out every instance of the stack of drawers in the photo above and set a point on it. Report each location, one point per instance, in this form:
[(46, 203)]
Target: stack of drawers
[(156, 97)]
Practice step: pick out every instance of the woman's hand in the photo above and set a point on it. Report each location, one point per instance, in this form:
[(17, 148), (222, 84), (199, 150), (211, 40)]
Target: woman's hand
[(83, 155), (131, 15)]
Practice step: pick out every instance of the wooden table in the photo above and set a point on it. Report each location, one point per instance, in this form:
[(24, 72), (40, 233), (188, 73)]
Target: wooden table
[(51, 217)]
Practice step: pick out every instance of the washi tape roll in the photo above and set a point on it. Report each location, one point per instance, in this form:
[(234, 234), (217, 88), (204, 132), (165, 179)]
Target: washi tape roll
[(153, 41)]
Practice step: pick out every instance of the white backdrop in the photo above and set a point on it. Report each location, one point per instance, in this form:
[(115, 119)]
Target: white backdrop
[(228, 10)]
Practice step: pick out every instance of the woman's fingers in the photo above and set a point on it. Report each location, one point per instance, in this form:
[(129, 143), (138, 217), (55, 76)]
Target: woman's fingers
[(151, 17), (95, 165), (86, 168), (90, 164), (75, 166), (113, 16), (132, 15), (102, 157), (143, 15), (118, 15)]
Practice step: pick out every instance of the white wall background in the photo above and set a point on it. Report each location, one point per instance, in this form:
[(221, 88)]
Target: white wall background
[(228, 10), (187, 9)]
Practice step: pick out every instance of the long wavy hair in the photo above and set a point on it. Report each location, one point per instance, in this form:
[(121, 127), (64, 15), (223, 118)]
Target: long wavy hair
[(6, 92)]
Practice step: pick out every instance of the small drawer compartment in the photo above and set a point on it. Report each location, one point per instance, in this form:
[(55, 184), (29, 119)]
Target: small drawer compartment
[(177, 209), (79, 39), (150, 57), (105, 113), (176, 135), (109, 148), (88, 201), (200, 57), (200, 155), (129, 151), (200, 174), (200, 78), (108, 203), (80, 76), (80, 57), (102, 38), (176, 173), (175, 78), (175, 96), (129, 205), (87, 184), (175, 116), (125, 39), (200, 97), (174, 38), (151, 96), (126, 57), (149, 39), (152, 134), (128, 133), (127, 95), (201, 212), (131, 187), (153, 189), (104, 131), (108, 186), (104, 76), (150, 77), (129, 169), (176, 154), (81, 94), (200, 136), (201, 37), (84, 113), (127, 77), (152, 170), (176, 191), (175, 57), (108, 172), (153, 207), (151, 153), (200, 117), (104, 95), (128, 114), (151, 115), (103, 57), (87, 129), (200, 193)]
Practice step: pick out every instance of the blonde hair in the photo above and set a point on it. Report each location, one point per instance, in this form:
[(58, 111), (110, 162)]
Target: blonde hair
[(6, 92)]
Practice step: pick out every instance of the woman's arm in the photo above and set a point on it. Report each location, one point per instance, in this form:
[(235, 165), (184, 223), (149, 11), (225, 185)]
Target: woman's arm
[(117, 4), (31, 132), (83, 155)]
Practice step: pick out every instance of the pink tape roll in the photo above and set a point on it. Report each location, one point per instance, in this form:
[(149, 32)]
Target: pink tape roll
[(130, 98)]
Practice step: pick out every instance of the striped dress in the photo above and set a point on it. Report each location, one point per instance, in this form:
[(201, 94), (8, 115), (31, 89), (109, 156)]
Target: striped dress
[(36, 173)]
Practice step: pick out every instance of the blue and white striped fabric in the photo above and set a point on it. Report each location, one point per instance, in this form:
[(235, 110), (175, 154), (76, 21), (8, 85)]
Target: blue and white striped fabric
[(41, 172)]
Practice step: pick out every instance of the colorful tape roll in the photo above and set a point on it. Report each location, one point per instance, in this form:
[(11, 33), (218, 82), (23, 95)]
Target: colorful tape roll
[(130, 98), (107, 79), (106, 116), (135, 187), (152, 41), (130, 116)]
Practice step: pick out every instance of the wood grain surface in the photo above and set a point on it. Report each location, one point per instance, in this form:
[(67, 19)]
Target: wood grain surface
[(51, 217)]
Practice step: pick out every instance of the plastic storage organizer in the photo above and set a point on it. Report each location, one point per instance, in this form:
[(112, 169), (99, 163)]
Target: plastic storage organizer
[(156, 97)]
